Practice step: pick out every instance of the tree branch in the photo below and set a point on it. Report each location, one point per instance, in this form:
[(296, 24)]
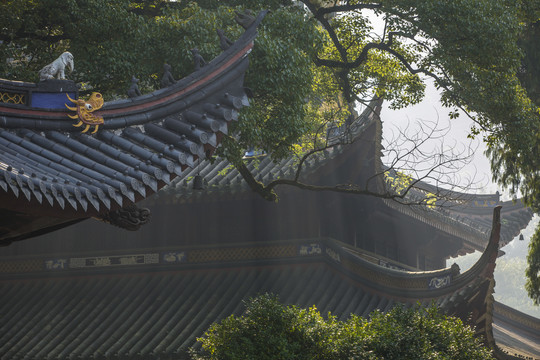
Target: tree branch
[(266, 192), (435, 166), (329, 29)]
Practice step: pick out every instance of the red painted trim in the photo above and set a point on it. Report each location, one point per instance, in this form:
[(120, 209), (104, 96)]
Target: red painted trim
[(31, 112), (124, 110), (182, 91)]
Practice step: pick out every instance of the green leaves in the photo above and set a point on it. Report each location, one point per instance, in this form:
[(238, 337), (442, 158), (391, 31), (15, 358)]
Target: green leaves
[(421, 333), (269, 330), (282, 79), (533, 268), (472, 49)]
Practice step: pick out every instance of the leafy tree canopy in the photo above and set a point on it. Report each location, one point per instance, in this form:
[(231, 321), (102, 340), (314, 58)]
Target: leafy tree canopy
[(533, 268), (112, 40), (270, 330)]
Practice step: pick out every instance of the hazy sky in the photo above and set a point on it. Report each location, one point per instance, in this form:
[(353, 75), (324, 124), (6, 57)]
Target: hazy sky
[(431, 109)]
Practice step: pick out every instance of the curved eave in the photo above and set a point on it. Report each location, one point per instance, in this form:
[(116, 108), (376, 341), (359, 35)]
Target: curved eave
[(143, 144), (140, 112), (331, 273), (127, 112), (405, 286), (218, 74), (431, 284)]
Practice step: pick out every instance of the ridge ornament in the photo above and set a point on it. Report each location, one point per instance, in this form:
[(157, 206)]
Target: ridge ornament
[(84, 111)]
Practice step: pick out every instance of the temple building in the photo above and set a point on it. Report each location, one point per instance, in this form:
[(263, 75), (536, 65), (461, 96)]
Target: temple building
[(92, 290), (137, 145)]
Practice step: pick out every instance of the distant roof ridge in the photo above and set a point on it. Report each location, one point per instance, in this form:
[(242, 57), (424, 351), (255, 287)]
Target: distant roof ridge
[(463, 295), (334, 252), (267, 166)]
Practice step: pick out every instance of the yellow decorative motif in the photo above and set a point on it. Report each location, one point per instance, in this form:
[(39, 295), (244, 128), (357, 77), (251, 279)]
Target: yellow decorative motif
[(12, 98), (84, 111)]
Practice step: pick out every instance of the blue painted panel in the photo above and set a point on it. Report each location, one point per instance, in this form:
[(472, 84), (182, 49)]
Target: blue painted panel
[(52, 100)]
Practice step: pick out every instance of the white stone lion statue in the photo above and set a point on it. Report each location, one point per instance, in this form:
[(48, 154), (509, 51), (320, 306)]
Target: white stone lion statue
[(56, 69)]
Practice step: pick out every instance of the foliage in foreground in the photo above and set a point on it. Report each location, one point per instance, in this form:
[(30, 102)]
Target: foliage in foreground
[(270, 330), (533, 268)]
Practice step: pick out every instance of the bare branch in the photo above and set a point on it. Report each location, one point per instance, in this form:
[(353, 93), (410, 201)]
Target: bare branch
[(408, 152), (407, 156)]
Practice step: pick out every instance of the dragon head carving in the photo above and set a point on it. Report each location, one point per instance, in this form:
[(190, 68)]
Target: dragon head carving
[(85, 109)]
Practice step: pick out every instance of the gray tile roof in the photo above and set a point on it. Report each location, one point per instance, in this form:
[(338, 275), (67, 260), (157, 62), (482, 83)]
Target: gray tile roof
[(467, 216), (154, 303), (143, 144)]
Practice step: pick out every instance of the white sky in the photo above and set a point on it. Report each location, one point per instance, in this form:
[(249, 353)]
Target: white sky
[(431, 109)]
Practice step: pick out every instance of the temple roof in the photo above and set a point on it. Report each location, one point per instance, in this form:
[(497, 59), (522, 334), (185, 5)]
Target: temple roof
[(52, 173), (508, 328), (464, 215), (220, 176), (53, 176), (156, 302), (473, 229)]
